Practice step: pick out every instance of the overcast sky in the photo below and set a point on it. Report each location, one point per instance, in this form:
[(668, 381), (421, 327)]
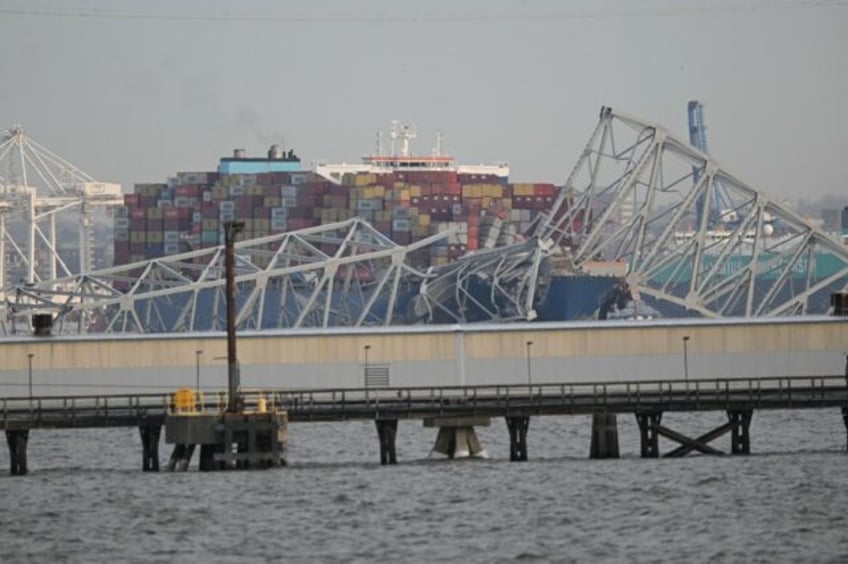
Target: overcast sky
[(135, 91)]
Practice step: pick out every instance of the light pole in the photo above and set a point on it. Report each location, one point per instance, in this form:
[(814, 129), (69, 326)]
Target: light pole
[(29, 363), (529, 344), (197, 355), (366, 348), (685, 358)]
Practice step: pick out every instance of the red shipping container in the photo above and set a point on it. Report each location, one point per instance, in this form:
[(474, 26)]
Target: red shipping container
[(131, 199), (138, 213)]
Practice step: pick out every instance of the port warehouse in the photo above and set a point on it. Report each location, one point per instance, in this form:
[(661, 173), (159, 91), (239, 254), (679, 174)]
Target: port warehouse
[(433, 355)]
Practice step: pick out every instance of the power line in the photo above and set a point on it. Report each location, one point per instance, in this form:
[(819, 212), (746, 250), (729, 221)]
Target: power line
[(675, 10)]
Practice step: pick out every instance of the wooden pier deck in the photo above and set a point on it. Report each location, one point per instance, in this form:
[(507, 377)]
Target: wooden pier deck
[(516, 403)]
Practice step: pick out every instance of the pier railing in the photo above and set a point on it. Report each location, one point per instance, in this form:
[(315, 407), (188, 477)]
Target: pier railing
[(425, 402)]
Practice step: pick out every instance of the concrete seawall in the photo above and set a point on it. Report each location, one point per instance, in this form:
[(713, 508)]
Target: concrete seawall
[(428, 355)]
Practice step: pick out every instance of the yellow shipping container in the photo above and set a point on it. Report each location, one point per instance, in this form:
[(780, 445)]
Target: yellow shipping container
[(272, 201), (364, 179), (138, 237), (522, 189), (154, 237), (262, 225), (154, 213), (404, 195), (415, 191), (400, 185), (424, 219)]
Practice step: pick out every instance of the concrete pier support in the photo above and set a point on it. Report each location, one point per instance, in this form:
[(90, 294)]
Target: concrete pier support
[(649, 423), (150, 447), (387, 432), (17, 440), (517, 437), (181, 457), (229, 440), (740, 442), (604, 436), (457, 437)]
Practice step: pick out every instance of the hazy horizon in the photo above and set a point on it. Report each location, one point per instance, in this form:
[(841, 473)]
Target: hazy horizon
[(135, 94)]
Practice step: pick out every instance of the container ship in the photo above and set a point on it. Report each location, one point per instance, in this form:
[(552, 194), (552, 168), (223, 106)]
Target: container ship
[(405, 196)]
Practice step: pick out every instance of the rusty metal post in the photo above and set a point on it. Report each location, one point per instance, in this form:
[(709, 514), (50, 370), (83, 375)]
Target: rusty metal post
[(231, 228)]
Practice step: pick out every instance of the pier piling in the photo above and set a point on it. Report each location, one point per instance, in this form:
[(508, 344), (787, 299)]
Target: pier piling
[(649, 423), (517, 437), (387, 431), (150, 447), (845, 420), (17, 440), (740, 442), (604, 436)]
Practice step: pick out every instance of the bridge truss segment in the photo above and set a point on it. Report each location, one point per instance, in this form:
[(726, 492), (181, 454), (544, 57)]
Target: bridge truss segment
[(37, 188), (634, 195), (340, 274), (497, 285)]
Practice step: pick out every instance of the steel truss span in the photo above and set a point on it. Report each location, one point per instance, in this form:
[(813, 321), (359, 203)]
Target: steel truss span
[(345, 273), (640, 194)]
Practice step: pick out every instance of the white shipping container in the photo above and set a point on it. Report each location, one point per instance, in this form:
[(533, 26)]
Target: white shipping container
[(227, 206), (289, 191)]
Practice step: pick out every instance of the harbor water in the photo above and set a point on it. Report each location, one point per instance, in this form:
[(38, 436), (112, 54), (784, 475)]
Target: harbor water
[(87, 500)]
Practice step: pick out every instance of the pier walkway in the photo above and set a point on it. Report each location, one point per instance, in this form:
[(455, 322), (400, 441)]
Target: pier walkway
[(646, 400)]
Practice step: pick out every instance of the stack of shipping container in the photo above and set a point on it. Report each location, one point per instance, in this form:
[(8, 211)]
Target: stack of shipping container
[(188, 211)]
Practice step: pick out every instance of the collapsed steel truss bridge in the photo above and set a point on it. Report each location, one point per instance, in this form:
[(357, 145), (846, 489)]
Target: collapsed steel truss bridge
[(637, 194), (641, 195)]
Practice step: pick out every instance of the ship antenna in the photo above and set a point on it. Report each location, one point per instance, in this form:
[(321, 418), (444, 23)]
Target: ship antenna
[(407, 134), (393, 134), (438, 143)]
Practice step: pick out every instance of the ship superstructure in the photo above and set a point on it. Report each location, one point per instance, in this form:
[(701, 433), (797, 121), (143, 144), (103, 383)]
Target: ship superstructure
[(399, 158)]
